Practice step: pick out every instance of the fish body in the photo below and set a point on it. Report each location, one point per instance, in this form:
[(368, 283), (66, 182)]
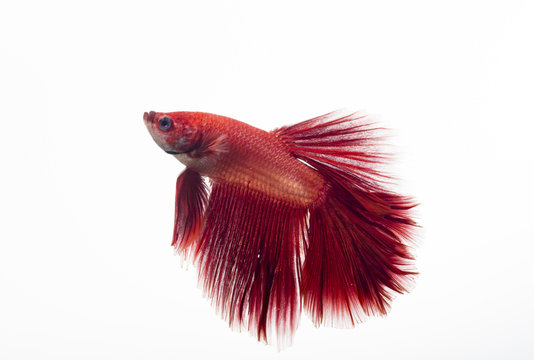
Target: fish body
[(247, 156), (296, 217)]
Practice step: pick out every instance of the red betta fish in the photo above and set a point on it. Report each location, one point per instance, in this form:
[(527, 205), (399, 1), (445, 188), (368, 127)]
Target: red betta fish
[(296, 217)]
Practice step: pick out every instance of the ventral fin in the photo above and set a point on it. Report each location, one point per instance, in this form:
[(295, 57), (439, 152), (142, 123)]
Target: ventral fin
[(191, 198)]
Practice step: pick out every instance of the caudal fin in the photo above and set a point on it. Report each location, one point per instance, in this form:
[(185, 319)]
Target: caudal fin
[(356, 256)]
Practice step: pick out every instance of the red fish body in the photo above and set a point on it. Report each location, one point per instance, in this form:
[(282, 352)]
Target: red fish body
[(294, 217)]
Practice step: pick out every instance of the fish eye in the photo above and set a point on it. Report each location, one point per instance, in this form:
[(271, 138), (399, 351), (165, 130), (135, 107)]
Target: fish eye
[(164, 123)]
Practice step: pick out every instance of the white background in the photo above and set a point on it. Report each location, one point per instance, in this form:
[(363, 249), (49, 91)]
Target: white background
[(86, 206)]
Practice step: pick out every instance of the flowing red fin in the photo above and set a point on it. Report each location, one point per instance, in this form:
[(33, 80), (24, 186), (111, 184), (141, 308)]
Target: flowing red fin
[(357, 255), (347, 143), (249, 261), (191, 198)]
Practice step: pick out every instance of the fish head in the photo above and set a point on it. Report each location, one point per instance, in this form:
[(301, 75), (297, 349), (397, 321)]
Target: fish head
[(175, 133)]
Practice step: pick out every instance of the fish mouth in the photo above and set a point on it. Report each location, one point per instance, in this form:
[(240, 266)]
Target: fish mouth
[(180, 152), (149, 117)]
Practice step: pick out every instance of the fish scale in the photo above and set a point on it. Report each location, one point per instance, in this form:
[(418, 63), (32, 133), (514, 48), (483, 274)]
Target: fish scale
[(258, 160)]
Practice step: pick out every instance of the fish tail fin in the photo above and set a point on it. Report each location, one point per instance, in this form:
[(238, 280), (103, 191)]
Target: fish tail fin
[(357, 254)]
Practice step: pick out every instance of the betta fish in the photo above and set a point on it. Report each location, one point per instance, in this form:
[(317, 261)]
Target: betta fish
[(298, 217)]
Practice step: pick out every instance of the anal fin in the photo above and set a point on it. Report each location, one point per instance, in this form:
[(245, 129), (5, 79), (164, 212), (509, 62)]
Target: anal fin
[(249, 260)]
